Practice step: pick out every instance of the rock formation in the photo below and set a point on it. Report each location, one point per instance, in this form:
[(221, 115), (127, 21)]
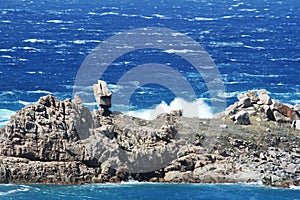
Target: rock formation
[(260, 105), (103, 97), (55, 141)]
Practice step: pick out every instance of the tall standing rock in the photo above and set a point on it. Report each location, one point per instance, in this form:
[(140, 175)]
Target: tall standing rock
[(103, 97)]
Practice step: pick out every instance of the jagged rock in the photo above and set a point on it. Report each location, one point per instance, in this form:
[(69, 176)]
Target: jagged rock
[(253, 97), (46, 130), (231, 110), (43, 143), (268, 112), (264, 98), (251, 111), (284, 110), (280, 117), (241, 118), (4, 173), (244, 103)]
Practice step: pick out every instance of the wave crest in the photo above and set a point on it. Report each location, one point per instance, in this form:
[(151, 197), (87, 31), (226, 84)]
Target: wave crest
[(193, 109)]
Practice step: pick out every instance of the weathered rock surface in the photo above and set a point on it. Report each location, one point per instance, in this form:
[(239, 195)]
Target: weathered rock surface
[(55, 141), (261, 105)]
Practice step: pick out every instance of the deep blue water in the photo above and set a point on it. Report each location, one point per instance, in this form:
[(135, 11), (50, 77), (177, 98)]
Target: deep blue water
[(254, 44), (147, 191)]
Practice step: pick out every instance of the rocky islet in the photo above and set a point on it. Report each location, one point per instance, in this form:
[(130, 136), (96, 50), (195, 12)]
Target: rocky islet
[(53, 141)]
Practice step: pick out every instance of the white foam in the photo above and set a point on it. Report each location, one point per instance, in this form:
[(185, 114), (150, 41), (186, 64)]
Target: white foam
[(248, 9), (5, 115), (204, 19), (109, 13), (179, 51), (252, 47), (293, 187), (25, 103), (6, 50), (23, 188), (40, 92), (56, 21), (34, 40), (197, 108), (227, 17), (86, 41), (6, 56), (160, 16), (79, 42), (6, 21), (224, 44)]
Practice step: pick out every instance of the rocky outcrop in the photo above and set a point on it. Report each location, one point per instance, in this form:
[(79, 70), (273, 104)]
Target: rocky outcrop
[(55, 141), (260, 105)]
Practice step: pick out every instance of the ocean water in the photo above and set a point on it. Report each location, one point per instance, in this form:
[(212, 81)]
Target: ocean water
[(147, 191)]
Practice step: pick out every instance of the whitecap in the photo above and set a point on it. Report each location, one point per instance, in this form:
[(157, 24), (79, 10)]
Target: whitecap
[(160, 16), (7, 50), (56, 21), (109, 13), (34, 40), (79, 42), (27, 48), (179, 51), (145, 17), (262, 30), (204, 19), (237, 5), (23, 188), (224, 44), (252, 47), (6, 56), (39, 92), (227, 17), (6, 21), (25, 103), (285, 59), (86, 41), (31, 72), (248, 10)]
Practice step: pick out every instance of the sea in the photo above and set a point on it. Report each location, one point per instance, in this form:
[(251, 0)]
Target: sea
[(138, 191), (253, 44)]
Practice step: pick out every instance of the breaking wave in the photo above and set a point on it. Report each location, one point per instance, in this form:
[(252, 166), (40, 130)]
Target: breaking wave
[(193, 109)]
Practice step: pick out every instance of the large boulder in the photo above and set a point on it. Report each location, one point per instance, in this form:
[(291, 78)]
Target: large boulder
[(281, 118), (264, 98), (284, 110), (241, 118)]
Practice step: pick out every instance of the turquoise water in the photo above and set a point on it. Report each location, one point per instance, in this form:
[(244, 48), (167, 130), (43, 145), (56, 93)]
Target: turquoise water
[(146, 191)]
